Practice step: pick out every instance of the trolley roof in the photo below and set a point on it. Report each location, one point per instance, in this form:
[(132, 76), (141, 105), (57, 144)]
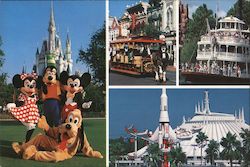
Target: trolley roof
[(137, 40)]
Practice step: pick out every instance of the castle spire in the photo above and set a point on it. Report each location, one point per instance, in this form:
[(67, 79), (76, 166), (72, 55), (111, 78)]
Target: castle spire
[(68, 48), (68, 42), (37, 51), (23, 70), (52, 30), (68, 53), (52, 19)]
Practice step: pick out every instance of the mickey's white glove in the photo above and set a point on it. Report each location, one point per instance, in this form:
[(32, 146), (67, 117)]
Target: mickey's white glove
[(86, 105)]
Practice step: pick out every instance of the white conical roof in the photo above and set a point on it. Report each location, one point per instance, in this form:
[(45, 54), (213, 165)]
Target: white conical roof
[(214, 125), (217, 126)]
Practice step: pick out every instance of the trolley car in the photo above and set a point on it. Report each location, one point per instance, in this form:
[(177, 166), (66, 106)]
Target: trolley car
[(133, 55)]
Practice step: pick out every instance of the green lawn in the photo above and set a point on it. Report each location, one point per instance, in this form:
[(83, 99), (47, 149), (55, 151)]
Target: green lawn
[(14, 131)]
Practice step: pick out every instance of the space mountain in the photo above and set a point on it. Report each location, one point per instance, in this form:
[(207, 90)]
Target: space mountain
[(215, 125)]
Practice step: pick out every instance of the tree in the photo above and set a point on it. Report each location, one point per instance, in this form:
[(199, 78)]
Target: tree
[(6, 90), (212, 151), (117, 146), (241, 9), (154, 155), (245, 135), (94, 56), (122, 146), (230, 148), (201, 140), (196, 27), (177, 156), (151, 31), (95, 94)]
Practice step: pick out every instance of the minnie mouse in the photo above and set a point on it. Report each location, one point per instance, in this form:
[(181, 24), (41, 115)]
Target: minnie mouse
[(25, 109)]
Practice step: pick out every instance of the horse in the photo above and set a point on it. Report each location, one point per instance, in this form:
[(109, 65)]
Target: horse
[(161, 61)]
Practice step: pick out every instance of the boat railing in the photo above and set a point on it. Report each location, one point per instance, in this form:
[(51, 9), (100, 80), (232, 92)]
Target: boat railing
[(232, 39), (228, 39), (228, 54), (232, 71), (207, 54), (205, 38)]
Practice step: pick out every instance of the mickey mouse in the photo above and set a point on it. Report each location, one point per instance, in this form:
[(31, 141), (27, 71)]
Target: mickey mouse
[(73, 87), (51, 95), (25, 108)]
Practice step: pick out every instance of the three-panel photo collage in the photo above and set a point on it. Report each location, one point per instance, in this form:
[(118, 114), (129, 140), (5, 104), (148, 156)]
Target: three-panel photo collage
[(125, 83)]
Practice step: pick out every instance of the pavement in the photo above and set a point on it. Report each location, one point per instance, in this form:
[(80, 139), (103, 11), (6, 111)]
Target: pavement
[(123, 79)]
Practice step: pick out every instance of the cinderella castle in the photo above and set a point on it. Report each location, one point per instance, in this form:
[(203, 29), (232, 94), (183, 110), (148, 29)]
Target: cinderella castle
[(51, 52)]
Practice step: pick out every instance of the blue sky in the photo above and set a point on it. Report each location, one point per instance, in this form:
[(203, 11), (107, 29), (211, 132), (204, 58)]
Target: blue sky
[(23, 26), (117, 8), (141, 107)]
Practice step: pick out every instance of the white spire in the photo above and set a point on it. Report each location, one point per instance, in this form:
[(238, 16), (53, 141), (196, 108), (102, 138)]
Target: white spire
[(52, 30), (243, 115), (199, 107), (52, 19), (240, 118), (202, 106), (207, 108), (183, 120), (68, 48), (164, 118), (196, 110)]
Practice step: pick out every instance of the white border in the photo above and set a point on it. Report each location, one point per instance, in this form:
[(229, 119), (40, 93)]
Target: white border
[(181, 87), (107, 80), (177, 44)]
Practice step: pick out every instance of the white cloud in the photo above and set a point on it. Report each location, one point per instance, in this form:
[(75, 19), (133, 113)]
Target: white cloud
[(192, 9), (221, 13)]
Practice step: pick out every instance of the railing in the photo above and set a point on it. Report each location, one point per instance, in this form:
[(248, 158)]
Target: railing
[(226, 39), (204, 55)]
